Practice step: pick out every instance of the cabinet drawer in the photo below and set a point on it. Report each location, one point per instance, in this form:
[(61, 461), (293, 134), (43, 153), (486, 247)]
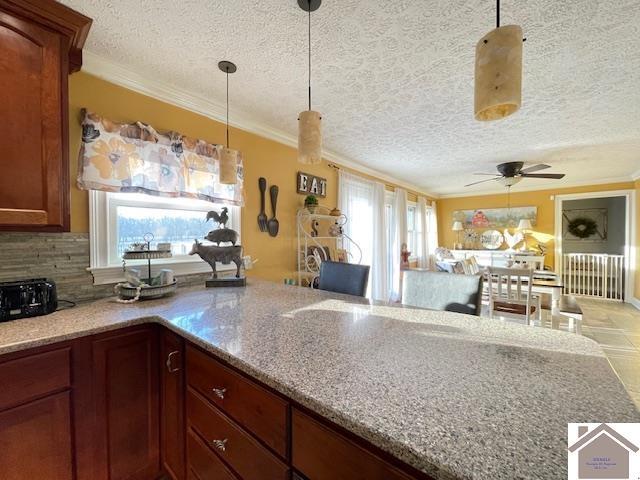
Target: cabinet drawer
[(32, 376), (241, 451), (323, 454), (203, 463), (253, 407)]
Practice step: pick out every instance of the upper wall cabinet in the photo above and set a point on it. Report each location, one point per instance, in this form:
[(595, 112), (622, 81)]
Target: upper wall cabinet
[(40, 44)]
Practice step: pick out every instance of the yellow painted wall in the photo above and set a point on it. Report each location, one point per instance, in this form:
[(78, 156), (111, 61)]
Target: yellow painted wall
[(541, 198), (262, 158), (636, 246)]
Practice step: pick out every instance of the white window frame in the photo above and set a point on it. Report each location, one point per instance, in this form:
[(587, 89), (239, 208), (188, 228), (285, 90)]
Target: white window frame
[(388, 203), (103, 221), (415, 234)]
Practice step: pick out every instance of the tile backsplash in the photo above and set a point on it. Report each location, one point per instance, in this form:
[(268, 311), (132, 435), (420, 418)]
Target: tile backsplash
[(61, 257)]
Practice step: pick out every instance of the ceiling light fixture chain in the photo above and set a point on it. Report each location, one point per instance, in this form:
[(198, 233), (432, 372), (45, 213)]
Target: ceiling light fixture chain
[(508, 205), (309, 121), (309, 55), (227, 72), (228, 157)]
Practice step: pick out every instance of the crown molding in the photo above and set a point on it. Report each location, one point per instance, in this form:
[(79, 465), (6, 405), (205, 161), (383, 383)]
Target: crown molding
[(635, 175), (532, 188), (130, 79)]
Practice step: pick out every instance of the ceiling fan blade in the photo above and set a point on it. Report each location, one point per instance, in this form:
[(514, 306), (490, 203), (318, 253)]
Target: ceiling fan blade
[(482, 181), (535, 168), (556, 176), (490, 174)]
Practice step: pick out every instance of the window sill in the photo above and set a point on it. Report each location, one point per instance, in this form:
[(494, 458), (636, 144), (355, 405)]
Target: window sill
[(115, 274)]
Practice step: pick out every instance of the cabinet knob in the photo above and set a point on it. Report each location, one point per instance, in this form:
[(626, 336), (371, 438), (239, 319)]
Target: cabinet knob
[(220, 444), (219, 392), (169, 362)]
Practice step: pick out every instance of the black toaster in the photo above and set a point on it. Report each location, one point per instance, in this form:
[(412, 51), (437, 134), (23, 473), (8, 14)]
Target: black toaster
[(27, 298)]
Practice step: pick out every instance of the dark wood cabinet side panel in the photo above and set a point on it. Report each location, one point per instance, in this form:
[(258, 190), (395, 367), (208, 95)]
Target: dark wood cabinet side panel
[(172, 428), (126, 392), (35, 440)]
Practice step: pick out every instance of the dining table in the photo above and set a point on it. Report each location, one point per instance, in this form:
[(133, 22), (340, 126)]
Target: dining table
[(545, 282)]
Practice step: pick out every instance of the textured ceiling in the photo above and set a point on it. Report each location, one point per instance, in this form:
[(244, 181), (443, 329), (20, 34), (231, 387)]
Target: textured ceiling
[(394, 79)]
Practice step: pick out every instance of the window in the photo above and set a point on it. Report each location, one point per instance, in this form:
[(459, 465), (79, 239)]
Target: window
[(412, 230), (119, 219)]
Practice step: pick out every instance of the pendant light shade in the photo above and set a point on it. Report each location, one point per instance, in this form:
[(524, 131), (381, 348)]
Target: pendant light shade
[(309, 121), (309, 137), (228, 156), (498, 76), (228, 166)]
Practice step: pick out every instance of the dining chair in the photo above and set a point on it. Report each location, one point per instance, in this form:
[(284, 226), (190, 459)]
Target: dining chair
[(443, 291), (341, 277), (510, 293)]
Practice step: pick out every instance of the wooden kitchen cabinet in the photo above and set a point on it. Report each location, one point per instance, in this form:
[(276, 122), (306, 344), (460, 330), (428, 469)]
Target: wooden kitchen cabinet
[(172, 425), (40, 44), (258, 410), (141, 403), (126, 395), (35, 416), (321, 453), (35, 440)]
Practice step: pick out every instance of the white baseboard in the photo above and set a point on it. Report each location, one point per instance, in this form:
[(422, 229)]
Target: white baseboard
[(635, 302)]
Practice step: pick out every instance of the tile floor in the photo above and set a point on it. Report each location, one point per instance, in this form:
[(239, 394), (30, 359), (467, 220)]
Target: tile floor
[(616, 327)]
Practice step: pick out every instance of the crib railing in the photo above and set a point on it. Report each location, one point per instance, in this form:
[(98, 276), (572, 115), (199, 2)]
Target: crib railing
[(594, 275)]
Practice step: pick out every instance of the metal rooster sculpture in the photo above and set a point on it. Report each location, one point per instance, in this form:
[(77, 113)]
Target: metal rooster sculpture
[(220, 218)]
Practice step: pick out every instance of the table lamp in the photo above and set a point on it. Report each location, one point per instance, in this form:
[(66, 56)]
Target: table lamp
[(524, 225)]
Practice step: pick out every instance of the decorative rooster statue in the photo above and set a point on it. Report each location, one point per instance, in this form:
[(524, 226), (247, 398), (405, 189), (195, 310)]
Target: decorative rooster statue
[(220, 218)]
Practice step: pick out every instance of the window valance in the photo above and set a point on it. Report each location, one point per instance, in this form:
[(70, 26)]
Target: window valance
[(121, 157)]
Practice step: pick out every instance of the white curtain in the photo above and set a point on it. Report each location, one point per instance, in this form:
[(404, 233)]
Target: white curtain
[(362, 202), (432, 232), (423, 243), (399, 237), (379, 265)]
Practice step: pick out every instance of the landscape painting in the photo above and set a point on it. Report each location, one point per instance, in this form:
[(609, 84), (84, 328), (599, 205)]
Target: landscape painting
[(495, 217)]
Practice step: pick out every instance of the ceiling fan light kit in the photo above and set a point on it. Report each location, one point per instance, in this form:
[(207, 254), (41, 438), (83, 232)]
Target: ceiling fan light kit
[(309, 121), (228, 156), (509, 181), (510, 173), (498, 72)]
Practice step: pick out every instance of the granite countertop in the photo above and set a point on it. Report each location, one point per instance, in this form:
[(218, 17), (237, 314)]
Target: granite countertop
[(454, 396)]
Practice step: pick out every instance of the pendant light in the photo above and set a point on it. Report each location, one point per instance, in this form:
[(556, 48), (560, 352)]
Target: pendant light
[(498, 86), (228, 156), (309, 122)]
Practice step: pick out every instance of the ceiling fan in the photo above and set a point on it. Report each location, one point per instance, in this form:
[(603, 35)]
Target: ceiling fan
[(511, 173)]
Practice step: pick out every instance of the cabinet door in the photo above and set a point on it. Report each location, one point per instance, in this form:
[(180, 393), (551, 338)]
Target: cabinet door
[(172, 436), (323, 454), (35, 440), (33, 110), (126, 393)]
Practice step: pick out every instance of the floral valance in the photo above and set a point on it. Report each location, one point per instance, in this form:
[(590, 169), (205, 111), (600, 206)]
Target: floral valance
[(120, 157)]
